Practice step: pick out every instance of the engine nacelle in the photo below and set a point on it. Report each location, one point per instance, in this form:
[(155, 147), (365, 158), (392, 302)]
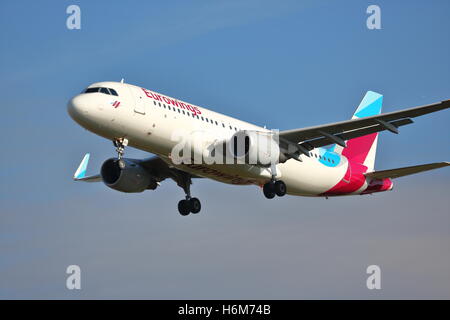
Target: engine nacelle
[(126, 175), (255, 147)]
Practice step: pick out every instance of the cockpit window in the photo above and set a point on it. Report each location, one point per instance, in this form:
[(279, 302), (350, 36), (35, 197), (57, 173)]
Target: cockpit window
[(89, 90), (107, 91)]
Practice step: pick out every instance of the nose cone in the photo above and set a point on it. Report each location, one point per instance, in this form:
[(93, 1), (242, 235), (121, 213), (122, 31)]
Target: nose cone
[(76, 108), (80, 109)]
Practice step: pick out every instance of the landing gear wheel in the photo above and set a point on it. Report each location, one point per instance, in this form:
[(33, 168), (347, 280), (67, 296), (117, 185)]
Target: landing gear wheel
[(280, 188), (184, 207), (189, 204), (269, 190), (195, 205)]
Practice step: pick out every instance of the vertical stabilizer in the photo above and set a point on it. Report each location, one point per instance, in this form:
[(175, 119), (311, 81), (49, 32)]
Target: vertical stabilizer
[(363, 149)]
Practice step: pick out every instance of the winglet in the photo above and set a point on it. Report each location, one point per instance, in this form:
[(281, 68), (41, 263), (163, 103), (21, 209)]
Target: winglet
[(81, 171)]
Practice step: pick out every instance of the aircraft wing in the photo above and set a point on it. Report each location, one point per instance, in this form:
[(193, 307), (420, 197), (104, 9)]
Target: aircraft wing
[(401, 172), (157, 168), (318, 136)]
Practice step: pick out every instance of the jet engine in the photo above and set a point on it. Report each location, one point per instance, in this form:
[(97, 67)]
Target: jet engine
[(255, 147), (126, 175)]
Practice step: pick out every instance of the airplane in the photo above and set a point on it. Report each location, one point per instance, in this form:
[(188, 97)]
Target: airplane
[(335, 159)]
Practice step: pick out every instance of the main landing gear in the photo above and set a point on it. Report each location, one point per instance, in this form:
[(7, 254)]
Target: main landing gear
[(274, 187), (188, 205)]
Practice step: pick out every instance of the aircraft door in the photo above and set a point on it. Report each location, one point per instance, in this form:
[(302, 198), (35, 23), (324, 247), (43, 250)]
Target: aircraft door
[(139, 100)]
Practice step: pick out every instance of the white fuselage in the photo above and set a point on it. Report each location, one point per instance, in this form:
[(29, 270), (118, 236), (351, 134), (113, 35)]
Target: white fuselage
[(155, 123)]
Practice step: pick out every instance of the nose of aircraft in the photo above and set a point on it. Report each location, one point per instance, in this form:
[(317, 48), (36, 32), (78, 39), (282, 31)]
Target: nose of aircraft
[(76, 107)]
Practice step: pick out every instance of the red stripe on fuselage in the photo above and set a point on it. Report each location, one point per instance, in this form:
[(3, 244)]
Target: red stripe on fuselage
[(357, 179)]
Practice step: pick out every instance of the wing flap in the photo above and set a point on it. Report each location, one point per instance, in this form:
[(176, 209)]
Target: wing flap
[(405, 171)]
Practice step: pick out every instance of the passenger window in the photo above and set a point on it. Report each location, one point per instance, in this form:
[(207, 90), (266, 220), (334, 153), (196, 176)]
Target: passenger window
[(113, 92), (223, 125)]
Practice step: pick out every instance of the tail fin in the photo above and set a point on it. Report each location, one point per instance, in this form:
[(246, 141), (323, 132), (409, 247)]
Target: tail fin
[(363, 149)]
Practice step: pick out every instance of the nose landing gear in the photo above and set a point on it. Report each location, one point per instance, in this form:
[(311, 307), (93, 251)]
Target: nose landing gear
[(120, 144)]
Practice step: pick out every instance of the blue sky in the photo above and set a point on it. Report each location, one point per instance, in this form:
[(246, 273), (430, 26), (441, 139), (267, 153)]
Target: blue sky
[(285, 65)]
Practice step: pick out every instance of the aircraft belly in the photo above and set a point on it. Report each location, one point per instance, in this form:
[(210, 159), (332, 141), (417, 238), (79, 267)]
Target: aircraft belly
[(226, 173), (310, 177)]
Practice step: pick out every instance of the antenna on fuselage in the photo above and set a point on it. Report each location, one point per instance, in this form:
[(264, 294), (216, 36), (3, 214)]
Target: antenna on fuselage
[(121, 81)]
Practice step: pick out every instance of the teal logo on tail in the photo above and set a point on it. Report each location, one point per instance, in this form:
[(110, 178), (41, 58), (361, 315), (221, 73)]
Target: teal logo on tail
[(370, 105)]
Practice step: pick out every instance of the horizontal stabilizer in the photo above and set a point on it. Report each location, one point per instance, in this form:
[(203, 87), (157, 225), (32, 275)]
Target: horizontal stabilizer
[(80, 174), (400, 172)]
